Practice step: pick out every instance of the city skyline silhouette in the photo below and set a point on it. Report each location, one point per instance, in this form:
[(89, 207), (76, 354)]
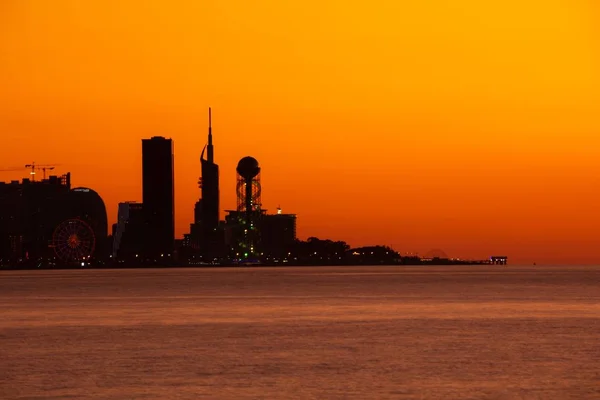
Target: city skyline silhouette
[(407, 125), (309, 199)]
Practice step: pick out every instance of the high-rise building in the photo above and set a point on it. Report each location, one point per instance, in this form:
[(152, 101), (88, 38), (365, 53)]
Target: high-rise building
[(158, 192), (205, 235)]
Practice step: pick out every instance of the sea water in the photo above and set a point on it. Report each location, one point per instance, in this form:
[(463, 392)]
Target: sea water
[(476, 332)]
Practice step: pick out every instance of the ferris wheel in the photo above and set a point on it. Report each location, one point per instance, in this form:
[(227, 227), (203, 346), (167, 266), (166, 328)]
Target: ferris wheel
[(73, 240)]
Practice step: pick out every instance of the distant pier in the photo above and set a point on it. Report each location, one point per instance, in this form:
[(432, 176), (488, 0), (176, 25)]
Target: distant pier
[(498, 260)]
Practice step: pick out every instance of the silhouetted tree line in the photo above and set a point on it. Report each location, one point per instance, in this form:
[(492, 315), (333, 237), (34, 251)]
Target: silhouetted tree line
[(315, 251)]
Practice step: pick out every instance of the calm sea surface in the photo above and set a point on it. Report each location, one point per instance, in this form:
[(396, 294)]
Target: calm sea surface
[(301, 333)]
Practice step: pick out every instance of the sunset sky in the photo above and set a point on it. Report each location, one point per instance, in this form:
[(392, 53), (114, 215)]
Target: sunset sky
[(463, 125)]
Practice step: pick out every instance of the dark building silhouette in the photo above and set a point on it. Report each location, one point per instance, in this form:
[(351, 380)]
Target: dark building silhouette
[(128, 235), (28, 217), (252, 235), (47, 223), (234, 234), (158, 193), (87, 205), (205, 235), (277, 234)]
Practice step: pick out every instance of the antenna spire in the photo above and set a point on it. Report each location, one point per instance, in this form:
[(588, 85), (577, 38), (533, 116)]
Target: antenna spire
[(210, 154)]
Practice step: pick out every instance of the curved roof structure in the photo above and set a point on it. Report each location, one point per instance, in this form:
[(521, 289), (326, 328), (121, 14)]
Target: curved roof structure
[(87, 204)]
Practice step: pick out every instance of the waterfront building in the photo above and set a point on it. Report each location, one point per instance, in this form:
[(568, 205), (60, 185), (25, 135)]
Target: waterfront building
[(158, 192)]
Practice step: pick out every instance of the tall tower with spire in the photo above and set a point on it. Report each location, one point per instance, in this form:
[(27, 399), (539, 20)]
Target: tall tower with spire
[(204, 230), (210, 156)]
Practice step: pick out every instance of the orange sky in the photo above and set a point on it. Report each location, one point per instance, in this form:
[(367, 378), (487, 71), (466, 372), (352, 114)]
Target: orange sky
[(466, 125)]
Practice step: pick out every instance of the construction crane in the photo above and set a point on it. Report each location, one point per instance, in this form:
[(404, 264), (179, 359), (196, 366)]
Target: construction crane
[(11, 169), (35, 166), (15, 169)]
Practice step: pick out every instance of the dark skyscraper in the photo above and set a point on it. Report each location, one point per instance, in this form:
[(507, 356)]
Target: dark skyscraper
[(210, 183), (206, 212), (158, 196)]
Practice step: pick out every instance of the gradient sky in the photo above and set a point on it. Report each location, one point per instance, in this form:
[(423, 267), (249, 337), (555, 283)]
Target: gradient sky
[(465, 125)]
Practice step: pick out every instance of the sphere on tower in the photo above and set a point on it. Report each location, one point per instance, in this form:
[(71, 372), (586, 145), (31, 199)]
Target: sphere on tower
[(248, 168)]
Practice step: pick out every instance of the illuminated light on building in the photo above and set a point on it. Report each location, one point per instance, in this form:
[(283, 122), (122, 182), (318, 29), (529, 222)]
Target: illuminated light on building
[(248, 211), (499, 260)]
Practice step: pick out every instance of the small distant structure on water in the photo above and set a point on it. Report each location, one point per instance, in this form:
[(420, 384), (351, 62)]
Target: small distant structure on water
[(498, 260)]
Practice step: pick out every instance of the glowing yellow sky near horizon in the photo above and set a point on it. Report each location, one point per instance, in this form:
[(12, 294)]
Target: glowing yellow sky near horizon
[(471, 126)]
